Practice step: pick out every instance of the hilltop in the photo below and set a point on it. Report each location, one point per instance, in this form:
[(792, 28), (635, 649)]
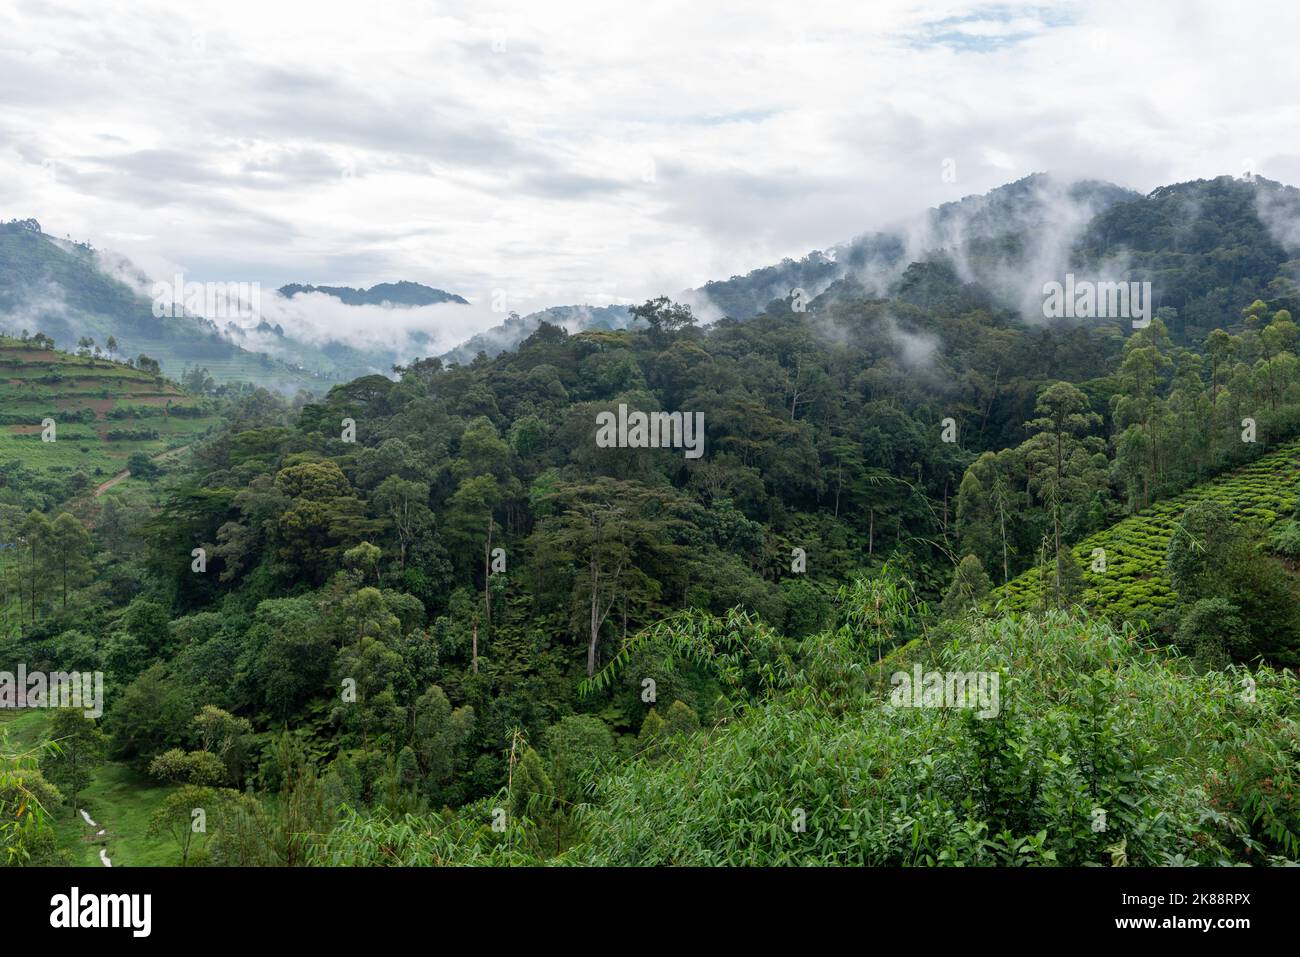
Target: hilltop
[(402, 293), (104, 412), (1209, 247), (69, 290), (508, 336)]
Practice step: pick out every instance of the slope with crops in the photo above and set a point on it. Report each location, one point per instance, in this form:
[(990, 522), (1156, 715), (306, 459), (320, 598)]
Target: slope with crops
[(1124, 565), (72, 422)]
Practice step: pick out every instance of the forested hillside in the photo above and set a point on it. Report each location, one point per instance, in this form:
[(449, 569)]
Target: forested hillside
[(456, 616)]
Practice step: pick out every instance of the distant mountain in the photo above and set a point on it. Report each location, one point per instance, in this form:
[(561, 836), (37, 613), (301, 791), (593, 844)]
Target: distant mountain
[(507, 336), (1205, 246), (1032, 203), (1208, 248), (69, 291), (742, 297), (981, 233), (998, 249), (386, 328), (385, 294)]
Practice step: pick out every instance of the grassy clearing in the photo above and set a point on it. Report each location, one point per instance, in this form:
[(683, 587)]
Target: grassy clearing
[(118, 799), (122, 803), (23, 729)]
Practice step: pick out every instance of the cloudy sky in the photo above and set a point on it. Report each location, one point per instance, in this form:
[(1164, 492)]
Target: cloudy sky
[(566, 152)]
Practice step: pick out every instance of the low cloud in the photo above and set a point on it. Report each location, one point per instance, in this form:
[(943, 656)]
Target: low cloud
[(401, 333), (567, 150), (1278, 208)]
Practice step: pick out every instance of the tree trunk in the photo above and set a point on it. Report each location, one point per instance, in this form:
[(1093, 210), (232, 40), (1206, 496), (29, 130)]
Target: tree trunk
[(1056, 520), (595, 620), (1002, 519), (487, 578)]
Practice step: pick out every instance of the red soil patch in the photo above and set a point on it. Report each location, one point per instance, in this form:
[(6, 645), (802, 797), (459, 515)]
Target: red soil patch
[(101, 406), (90, 382)]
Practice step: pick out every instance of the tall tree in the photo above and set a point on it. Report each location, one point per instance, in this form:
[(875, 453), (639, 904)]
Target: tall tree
[(70, 548), (37, 534), (1064, 472), (78, 748), (621, 539)]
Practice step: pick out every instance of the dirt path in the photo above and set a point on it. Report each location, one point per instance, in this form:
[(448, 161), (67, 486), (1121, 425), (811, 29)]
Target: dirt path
[(121, 476), (103, 852), (125, 474)]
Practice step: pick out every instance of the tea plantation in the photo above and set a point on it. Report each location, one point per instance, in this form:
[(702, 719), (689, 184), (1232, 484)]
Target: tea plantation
[(1131, 582)]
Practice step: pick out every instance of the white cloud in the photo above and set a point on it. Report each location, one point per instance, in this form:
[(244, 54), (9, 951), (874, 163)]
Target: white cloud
[(405, 332), (581, 151)]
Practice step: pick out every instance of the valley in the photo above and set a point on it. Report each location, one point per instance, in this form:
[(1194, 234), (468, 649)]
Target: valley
[(498, 612)]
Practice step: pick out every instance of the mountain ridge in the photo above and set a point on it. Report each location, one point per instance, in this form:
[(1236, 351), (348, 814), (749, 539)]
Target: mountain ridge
[(990, 249), (401, 293)]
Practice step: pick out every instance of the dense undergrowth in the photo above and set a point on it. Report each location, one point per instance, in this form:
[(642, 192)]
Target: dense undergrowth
[(1105, 751)]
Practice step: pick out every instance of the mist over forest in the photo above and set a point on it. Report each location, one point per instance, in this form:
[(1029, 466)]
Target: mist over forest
[(640, 439)]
